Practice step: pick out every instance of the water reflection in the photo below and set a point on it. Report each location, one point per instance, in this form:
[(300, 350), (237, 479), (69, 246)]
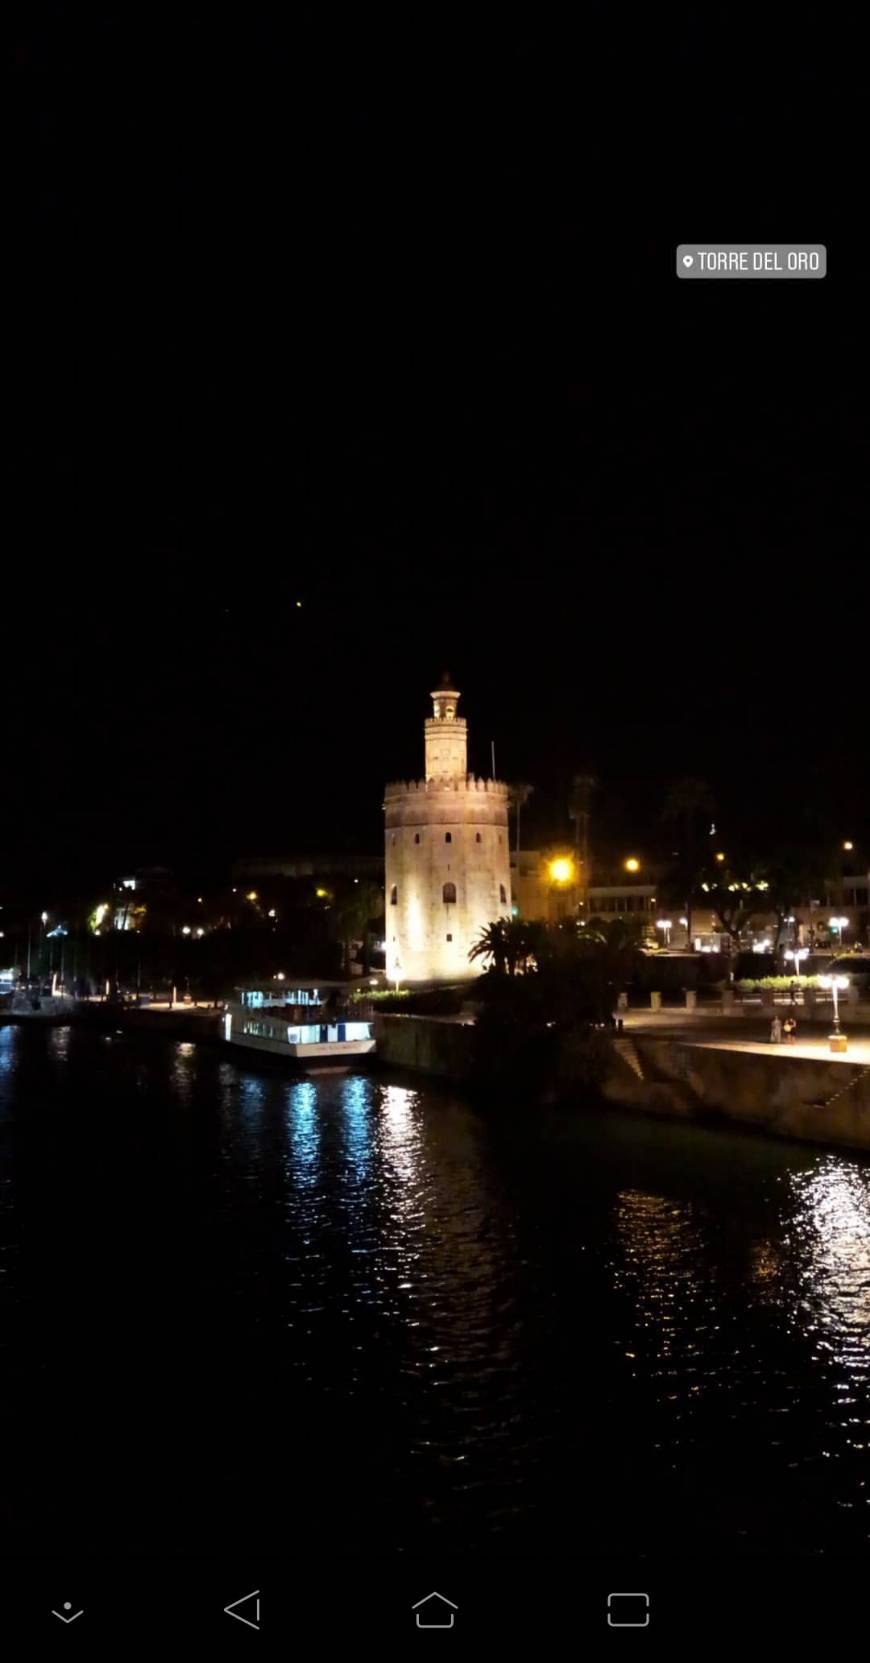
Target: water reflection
[(445, 1326), (830, 1234), (304, 1134), (356, 1103), (660, 1240)]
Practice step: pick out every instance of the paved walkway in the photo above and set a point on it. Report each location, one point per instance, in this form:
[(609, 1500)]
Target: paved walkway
[(749, 1033)]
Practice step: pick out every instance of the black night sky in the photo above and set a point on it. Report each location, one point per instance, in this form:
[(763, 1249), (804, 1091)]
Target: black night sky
[(383, 318)]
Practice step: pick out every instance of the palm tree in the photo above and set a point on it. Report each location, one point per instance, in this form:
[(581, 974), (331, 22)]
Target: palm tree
[(353, 912), (491, 944), (579, 810), (687, 800), (513, 945), (518, 795)]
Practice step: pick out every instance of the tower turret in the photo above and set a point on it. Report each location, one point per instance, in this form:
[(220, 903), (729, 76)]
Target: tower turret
[(446, 735)]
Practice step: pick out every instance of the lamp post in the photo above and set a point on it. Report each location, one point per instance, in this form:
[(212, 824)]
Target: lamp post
[(562, 872), (664, 924), (836, 1040), (838, 924)]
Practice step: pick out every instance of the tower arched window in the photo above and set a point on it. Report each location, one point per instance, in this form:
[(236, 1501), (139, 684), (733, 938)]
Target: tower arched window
[(448, 837), (394, 896), (416, 837), (477, 837), (448, 893), (502, 894)]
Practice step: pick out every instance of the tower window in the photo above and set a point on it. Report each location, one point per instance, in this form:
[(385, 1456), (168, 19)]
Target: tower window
[(394, 896), (502, 894), (416, 837), (450, 938), (448, 837), (448, 893), (477, 837)]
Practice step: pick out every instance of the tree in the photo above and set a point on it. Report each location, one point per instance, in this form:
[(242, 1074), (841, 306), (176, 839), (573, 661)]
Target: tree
[(688, 802), (792, 875), (514, 945), (353, 910), (579, 810), (735, 899), (518, 795)]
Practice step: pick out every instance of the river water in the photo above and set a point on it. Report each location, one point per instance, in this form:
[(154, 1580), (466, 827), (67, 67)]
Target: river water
[(240, 1310)]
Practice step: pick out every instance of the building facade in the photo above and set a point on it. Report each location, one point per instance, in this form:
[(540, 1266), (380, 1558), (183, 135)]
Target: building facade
[(447, 861)]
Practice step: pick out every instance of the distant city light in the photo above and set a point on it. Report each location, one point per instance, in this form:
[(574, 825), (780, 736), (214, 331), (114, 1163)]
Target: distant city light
[(251, 895), (44, 917), (321, 894), (632, 864), (561, 870), (200, 931), (684, 922), (280, 976), (720, 857), (185, 929), (199, 900), (272, 913), (848, 845)]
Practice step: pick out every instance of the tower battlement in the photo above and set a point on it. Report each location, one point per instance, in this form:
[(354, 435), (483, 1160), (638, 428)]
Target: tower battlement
[(472, 782)]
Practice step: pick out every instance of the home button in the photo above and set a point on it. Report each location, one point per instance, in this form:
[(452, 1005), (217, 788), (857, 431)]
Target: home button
[(434, 1611)]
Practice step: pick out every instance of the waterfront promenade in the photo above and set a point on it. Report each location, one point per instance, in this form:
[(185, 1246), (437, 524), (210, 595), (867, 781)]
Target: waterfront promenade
[(750, 1033)]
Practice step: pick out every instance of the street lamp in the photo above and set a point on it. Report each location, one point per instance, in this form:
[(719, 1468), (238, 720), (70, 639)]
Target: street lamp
[(632, 864), (796, 954), (665, 925), (561, 869), (836, 984), (838, 924), (848, 845)]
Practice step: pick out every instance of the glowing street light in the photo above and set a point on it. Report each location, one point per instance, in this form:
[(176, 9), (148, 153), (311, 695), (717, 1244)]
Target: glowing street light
[(665, 925), (632, 864), (720, 857), (796, 954), (185, 929), (836, 984), (848, 845), (838, 924), (561, 869)]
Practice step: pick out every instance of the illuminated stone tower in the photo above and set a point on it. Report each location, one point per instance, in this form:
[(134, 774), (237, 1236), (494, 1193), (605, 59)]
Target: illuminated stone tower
[(447, 856)]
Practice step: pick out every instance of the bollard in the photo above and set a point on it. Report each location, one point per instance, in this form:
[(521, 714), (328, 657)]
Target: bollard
[(691, 999), (655, 1001), (838, 1042)]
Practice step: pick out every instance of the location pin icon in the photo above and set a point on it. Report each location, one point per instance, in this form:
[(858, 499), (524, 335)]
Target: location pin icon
[(688, 260)]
